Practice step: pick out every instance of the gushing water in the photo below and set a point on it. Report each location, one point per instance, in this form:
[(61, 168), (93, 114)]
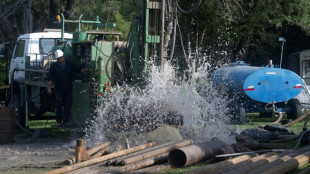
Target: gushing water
[(165, 99)]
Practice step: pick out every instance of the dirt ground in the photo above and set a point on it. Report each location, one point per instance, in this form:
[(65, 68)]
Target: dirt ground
[(35, 155)]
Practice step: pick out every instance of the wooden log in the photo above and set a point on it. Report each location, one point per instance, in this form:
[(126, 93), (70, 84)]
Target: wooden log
[(281, 160), (119, 159), (90, 152), (245, 163), (145, 163), (222, 164), (101, 152), (95, 149), (267, 163), (118, 148), (100, 159), (153, 169), (290, 164), (259, 164), (155, 152)]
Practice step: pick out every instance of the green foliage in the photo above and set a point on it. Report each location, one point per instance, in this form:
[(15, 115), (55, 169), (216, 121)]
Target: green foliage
[(245, 24), (117, 11), (122, 25)]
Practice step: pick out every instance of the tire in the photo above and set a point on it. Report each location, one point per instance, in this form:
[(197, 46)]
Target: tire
[(238, 115), (265, 114), (296, 110), (241, 114)]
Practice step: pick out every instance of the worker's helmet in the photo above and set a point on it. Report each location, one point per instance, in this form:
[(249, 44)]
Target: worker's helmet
[(58, 54)]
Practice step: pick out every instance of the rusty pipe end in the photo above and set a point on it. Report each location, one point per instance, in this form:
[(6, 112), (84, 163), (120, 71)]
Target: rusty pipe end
[(80, 142), (177, 158)]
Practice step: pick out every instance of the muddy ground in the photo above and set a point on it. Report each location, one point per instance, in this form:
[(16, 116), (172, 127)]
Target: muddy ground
[(36, 155)]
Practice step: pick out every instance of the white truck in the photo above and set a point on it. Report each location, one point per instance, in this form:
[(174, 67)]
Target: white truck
[(37, 46)]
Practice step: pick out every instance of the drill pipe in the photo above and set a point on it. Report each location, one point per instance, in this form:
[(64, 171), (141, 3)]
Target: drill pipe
[(118, 148), (259, 166), (195, 153), (153, 169), (101, 152), (284, 157), (99, 159), (155, 152), (223, 164), (145, 163), (290, 164), (119, 159), (90, 152)]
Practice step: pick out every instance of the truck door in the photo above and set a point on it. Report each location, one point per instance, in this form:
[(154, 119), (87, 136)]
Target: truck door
[(18, 60)]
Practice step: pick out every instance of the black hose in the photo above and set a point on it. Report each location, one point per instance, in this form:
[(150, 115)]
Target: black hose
[(301, 136), (188, 11), (119, 78), (174, 37)]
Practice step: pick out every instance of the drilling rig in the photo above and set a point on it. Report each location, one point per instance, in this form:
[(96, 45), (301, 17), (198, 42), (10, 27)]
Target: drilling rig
[(151, 38)]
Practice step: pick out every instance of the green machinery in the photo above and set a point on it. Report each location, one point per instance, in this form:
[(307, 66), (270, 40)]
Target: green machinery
[(90, 50), (98, 51)]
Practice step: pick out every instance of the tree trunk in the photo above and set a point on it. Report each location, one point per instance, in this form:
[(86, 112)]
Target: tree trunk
[(247, 44), (202, 37), (7, 31), (69, 6), (54, 11), (27, 17)]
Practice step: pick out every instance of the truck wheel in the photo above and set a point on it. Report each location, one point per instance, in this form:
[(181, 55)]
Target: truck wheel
[(265, 114), (296, 109), (238, 115), (241, 114)]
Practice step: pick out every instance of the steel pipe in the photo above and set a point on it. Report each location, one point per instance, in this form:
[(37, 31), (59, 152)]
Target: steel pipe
[(223, 164), (100, 159), (119, 159), (290, 165), (155, 152), (195, 153), (90, 152)]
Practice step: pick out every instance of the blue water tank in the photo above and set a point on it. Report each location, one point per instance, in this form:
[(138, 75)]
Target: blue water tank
[(262, 84)]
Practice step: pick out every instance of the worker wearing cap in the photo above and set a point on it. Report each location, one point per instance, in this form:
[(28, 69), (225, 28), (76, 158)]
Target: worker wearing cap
[(61, 74)]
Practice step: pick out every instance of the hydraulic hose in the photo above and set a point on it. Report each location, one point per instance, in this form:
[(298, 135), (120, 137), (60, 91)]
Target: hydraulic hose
[(301, 136), (174, 37), (189, 11)]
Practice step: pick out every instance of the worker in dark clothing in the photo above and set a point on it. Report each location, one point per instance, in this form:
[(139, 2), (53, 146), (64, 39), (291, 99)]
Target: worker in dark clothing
[(61, 74)]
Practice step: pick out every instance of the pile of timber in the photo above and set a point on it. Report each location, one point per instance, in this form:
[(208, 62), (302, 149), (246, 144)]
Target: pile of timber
[(146, 158), (150, 158), (268, 163), (138, 156)]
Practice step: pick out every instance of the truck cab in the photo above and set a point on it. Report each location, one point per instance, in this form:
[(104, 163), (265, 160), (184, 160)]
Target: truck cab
[(37, 46), (31, 51)]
